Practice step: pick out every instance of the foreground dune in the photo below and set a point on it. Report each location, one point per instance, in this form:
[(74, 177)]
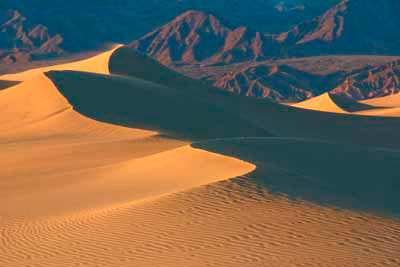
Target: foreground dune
[(37, 118), (120, 165), (283, 214)]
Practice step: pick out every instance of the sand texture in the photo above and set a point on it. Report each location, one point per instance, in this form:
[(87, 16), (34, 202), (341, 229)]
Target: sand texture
[(118, 161)]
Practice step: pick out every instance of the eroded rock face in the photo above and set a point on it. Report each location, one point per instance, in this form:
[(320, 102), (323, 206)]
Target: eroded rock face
[(21, 42), (278, 83), (372, 81), (197, 37), (351, 27)]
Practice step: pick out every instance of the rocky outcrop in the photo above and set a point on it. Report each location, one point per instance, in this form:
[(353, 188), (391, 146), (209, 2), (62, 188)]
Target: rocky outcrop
[(22, 43)]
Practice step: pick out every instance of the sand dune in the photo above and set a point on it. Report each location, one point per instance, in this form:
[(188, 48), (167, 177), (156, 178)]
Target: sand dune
[(143, 104), (348, 125), (280, 215), (104, 163), (37, 118), (96, 64), (333, 103), (323, 102), (379, 107), (386, 101)]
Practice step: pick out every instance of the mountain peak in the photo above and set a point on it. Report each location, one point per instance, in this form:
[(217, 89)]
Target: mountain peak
[(370, 26), (197, 37)]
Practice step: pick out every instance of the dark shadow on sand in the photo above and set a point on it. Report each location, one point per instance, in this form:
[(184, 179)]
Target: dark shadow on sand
[(341, 175)]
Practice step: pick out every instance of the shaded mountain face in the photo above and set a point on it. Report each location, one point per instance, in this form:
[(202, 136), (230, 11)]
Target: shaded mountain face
[(197, 37), (21, 42), (373, 81), (284, 83), (350, 27), (278, 83)]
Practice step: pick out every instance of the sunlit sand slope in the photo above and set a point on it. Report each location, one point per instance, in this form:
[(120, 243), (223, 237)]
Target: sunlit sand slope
[(333, 103), (280, 215), (96, 64), (386, 101), (61, 155), (323, 102)]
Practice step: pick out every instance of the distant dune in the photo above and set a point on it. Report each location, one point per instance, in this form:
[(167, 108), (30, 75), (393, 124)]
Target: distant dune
[(386, 101), (323, 102), (119, 161), (332, 103)]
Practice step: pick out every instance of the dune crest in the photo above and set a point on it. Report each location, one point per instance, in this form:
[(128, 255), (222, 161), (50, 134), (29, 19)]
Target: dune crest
[(385, 101), (323, 102), (96, 64)]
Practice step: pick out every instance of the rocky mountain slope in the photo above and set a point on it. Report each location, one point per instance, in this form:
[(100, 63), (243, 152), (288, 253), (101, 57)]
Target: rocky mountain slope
[(278, 83), (372, 81), (20, 41), (196, 37), (351, 27), (284, 83)]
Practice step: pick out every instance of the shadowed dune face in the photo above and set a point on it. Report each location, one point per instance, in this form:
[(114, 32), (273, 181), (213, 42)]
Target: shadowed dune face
[(128, 62), (348, 128), (351, 106), (6, 84), (143, 104), (279, 120), (330, 174)]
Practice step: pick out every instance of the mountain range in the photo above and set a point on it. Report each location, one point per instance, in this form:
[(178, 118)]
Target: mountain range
[(196, 37), (350, 27), (216, 33)]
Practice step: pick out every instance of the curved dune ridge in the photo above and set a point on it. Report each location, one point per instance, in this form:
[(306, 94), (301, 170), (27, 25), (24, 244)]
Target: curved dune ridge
[(323, 102), (37, 118), (336, 104), (379, 107), (96, 64), (389, 101), (119, 161)]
